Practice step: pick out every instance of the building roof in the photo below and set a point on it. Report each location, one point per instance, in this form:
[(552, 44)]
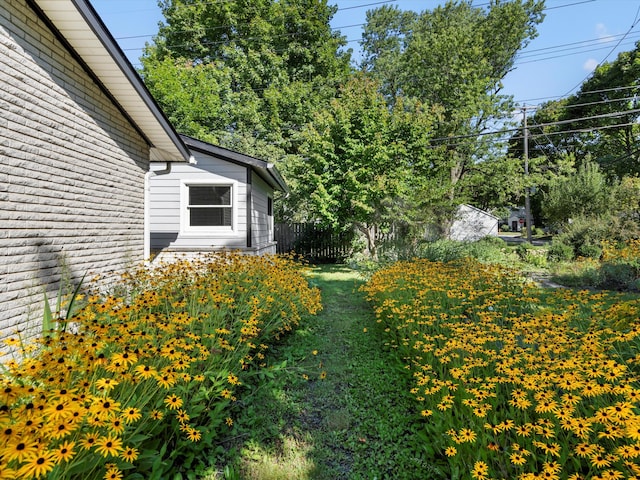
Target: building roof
[(79, 27), (267, 171)]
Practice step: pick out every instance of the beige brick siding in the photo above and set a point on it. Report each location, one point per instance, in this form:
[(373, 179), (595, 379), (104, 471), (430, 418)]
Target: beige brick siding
[(71, 171)]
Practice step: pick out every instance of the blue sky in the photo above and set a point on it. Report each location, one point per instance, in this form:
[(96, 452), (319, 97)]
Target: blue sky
[(575, 36)]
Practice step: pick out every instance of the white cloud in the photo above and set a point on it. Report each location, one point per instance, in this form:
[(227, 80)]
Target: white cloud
[(603, 34), (590, 65)]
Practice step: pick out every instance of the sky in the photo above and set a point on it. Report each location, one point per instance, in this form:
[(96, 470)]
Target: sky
[(575, 37)]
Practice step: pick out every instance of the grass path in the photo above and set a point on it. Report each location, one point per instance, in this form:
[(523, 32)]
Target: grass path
[(355, 423)]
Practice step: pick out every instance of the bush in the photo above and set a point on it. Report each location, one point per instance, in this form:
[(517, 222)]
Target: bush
[(538, 232), (559, 251), (589, 250), (523, 250), (443, 250), (620, 268)]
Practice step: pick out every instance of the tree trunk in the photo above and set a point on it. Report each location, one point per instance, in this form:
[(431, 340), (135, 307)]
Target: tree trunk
[(369, 232)]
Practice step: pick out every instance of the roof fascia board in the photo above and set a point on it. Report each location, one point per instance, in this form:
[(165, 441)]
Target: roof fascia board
[(99, 29), (265, 170)]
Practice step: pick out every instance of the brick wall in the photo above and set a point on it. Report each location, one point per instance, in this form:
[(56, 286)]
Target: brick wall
[(71, 172)]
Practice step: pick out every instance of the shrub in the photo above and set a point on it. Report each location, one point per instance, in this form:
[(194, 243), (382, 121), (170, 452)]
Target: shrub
[(589, 250), (559, 251), (538, 232), (523, 250), (620, 268), (443, 250)]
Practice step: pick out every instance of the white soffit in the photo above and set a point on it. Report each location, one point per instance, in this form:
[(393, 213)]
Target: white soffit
[(80, 25)]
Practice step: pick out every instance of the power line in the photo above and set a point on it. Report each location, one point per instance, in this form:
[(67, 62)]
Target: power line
[(548, 124), (633, 24)]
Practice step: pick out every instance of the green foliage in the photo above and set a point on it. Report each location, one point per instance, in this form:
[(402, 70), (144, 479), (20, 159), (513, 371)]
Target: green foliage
[(454, 57), (559, 251), (149, 380), (248, 75), (585, 194), (359, 159), (606, 99), (68, 302), (584, 235), (619, 276), (487, 250), (464, 330)]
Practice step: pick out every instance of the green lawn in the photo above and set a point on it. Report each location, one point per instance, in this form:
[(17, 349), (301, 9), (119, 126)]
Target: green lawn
[(353, 424)]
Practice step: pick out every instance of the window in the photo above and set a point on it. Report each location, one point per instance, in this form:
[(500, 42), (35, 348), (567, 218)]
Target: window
[(270, 206), (210, 206)]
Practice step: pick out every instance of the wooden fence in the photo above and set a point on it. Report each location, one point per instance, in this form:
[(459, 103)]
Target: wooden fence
[(316, 243)]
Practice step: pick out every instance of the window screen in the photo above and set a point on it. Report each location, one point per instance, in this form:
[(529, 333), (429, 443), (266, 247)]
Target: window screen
[(210, 206)]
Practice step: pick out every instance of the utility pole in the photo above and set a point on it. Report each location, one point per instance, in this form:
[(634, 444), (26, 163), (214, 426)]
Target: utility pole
[(527, 200)]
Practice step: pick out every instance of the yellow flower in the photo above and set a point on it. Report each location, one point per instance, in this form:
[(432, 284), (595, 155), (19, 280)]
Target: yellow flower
[(145, 371), (467, 435), (113, 473), (517, 458), (106, 384), (480, 470), (450, 451), (229, 421), (194, 434), (156, 415), (129, 454), (37, 464), (89, 440), (131, 415), (109, 445), (64, 452), (173, 401)]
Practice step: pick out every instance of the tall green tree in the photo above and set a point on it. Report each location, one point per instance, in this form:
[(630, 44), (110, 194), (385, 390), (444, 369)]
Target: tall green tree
[(454, 57), (584, 194), (599, 121), (359, 159), (245, 74)]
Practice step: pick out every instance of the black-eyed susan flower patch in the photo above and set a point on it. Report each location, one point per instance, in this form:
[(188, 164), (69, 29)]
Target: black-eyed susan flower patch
[(144, 384), (512, 381)]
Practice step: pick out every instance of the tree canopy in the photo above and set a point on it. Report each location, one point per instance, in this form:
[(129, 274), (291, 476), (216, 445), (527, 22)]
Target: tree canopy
[(403, 137), (455, 58), (245, 74)]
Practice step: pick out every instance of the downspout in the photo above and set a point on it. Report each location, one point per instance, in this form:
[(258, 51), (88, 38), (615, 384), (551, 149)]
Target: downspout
[(249, 208), (147, 206)]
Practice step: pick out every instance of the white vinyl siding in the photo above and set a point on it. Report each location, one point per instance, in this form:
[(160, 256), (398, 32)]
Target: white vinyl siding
[(168, 200), (262, 222)]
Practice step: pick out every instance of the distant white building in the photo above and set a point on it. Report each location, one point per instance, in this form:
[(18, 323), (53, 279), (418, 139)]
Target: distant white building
[(517, 219), (472, 224)]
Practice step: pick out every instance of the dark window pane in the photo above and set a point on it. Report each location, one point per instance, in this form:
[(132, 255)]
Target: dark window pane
[(209, 195), (210, 217)]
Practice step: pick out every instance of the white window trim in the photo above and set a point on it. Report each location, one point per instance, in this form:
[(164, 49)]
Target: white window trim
[(221, 231)]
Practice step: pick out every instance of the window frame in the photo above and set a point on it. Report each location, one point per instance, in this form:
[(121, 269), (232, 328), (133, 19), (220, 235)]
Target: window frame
[(185, 223)]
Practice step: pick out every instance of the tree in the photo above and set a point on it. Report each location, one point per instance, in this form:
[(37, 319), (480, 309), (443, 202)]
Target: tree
[(453, 57), (585, 194), (598, 122), (359, 159), (245, 74)]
